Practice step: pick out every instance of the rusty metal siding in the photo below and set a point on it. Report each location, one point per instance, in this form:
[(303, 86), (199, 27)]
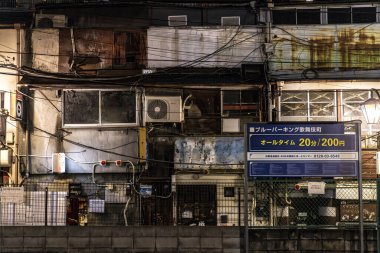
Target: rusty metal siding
[(88, 43), (101, 49), (326, 48), (203, 47)]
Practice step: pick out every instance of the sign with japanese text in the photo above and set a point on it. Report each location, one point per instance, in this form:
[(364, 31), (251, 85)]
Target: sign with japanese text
[(302, 149)]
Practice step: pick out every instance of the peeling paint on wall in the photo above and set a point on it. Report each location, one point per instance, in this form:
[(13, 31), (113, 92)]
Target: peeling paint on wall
[(217, 152)]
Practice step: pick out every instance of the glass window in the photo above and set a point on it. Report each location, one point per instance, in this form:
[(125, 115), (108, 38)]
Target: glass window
[(240, 103), (364, 15), (285, 17), (308, 106), (351, 101), (86, 108), (294, 106), (339, 15), (118, 107), (308, 16), (81, 107), (322, 104)]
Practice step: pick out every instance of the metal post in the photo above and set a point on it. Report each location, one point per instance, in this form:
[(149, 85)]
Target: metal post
[(46, 205), (378, 212), (245, 178), (239, 203), (155, 206), (360, 188), (246, 240)]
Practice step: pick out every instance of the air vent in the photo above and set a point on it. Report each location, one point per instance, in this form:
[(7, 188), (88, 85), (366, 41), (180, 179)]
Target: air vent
[(163, 109), (230, 21), (177, 20)]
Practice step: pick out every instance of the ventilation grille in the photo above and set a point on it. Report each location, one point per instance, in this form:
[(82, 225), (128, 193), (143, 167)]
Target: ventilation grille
[(230, 21), (177, 20)]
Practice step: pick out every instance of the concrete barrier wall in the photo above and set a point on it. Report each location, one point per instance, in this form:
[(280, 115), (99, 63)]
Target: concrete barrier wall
[(120, 239), (178, 239)]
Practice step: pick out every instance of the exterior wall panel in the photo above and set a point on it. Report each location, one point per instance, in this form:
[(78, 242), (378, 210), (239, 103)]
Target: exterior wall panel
[(313, 50), (203, 47)]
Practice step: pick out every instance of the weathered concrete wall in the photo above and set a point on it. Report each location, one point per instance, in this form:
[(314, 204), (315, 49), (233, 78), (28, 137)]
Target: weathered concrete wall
[(120, 239), (312, 241), (47, 115), (179, 239)]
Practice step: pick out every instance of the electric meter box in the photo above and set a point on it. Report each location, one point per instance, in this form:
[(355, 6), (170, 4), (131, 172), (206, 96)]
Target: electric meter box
[(5, 158)]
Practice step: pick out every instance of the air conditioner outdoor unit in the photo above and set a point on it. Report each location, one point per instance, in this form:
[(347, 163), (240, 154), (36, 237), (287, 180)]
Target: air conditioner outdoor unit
[(163, 109), (50, 20)]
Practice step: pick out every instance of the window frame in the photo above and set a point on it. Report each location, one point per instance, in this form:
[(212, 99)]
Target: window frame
[(340, 104), (324, 17), (240, 90), (100, 124), (309, 117)]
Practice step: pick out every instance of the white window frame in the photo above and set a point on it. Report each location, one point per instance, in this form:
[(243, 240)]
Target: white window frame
[(100, 124), (309, 117)]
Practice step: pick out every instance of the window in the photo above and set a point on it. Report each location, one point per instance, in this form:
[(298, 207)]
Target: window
[(332, 15), (339, 15), (308, 106), (285, 17), (323, 106), (94, 108), (351, 101), (308, 16), (240, 103), (364, 15)]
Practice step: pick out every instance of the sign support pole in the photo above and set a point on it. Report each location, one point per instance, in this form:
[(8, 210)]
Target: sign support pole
[(360, 188), (246, 239)]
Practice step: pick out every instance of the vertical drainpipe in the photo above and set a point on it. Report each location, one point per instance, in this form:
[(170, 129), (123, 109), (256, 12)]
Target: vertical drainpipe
[(17, 136), (270, 105)]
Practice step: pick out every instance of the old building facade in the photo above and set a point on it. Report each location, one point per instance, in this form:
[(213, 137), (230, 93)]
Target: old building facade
[(153, 98)]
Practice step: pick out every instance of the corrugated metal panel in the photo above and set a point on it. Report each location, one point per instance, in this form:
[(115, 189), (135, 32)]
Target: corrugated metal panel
[(203, 47), (326, 48)]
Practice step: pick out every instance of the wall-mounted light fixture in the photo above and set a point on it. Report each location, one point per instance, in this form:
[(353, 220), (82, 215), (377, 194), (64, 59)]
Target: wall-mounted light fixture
[(371, 108)]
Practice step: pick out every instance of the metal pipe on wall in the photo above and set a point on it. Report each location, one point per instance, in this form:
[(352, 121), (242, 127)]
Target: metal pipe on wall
[(15, 173)]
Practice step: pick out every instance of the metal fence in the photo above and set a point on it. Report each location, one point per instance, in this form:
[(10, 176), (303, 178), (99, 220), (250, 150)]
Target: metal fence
[(271, 203), (311, 203)]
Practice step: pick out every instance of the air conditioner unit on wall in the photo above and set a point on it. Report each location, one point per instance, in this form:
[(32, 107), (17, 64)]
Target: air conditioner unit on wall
[(50, 20), (163, 109)]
